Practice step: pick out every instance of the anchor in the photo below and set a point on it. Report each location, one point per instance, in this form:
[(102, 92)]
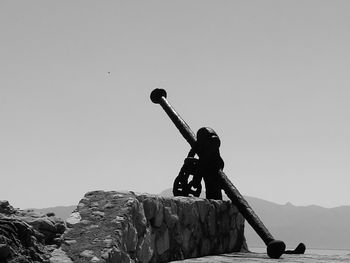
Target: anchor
[(209, 167)]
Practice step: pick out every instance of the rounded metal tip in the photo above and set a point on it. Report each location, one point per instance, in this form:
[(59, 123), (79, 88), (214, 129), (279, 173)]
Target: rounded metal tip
[(275, 249), (157, 94)]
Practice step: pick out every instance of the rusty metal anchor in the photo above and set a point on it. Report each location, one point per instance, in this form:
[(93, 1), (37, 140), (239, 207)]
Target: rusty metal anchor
[(209, 167)]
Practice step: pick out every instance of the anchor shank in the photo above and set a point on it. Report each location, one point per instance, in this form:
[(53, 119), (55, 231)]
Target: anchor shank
[(159, 96), (245, 209)]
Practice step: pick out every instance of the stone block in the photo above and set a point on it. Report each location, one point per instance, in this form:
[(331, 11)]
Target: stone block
[(202, 209), (59, 256), (233, 239), (205, 247), (131, 238), (170, 219), (162, 243), (186, 236), (140, 218), (117, 256), (159, 215), (73, 219), (150, 208), (87, 254), (145, 248), (211, 220)]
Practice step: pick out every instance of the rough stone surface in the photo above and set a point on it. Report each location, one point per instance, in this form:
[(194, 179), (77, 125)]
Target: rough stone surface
[(27, 236), (127, 227), (73, 219), (6, 208), (59, 256)]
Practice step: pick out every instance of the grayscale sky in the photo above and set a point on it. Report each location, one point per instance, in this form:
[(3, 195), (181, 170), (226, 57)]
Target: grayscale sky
[(271, 77)]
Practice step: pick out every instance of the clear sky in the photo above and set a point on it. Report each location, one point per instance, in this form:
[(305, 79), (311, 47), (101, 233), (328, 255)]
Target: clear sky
[(271, 77)]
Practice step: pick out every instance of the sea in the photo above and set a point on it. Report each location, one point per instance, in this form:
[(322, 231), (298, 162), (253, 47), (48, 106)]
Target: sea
[(312, 251)]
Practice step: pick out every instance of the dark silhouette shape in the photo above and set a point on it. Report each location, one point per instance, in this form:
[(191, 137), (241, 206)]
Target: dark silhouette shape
[(208, 163), (209, 167), (300, 249)]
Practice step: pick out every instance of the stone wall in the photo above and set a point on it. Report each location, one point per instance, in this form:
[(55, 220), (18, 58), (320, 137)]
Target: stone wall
[(117, 227)]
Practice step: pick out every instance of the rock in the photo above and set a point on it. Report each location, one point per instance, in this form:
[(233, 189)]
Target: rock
[(4, 251), (108, 242), (202, 209), (87, 254), (89, 227), (94, 204), (189, 210), (70, 241), (162, 243), (40, 224), (131, 238), (186, 239), (59, 256), (159, 215), (73, 219), (49, 228), (240, 220), (146, 248), (170, 219), (98, 213), (18, 241), (117, 256), (6, 208), (233, 238), (85, 222), (108, 206), (105, 253), (150, 208), (95, 259), (212, 221), (225, 223), (232, 210), (140, 219), (205, 247)]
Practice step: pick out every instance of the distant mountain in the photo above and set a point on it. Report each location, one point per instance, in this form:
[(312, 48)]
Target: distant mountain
[(60, 211), (315, 226)]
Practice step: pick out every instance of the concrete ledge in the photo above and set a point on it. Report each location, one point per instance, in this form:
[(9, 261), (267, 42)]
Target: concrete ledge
[(127, 227), (263, 258)]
